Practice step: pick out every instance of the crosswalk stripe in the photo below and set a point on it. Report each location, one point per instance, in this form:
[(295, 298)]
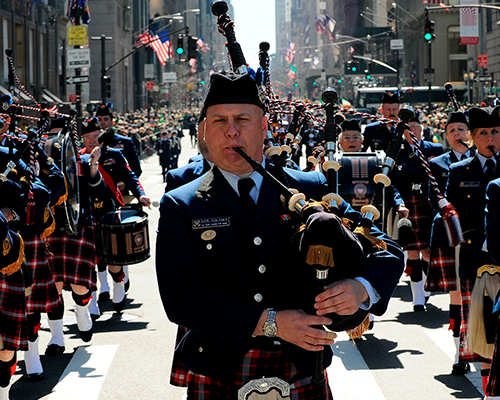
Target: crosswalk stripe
[(444, 340), (349, 376), (83, 377)]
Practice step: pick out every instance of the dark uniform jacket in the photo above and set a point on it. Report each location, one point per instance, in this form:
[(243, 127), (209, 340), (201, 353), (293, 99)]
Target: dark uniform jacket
[(408, 175), (127, 147), (180, 176), (91, 190), (228, 269), (493, 219), (377, 136), (466, 190)]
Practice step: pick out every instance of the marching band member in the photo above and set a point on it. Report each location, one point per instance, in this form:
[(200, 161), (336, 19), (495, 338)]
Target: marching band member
[(235, 117), (442, 275), (466, 191), (410, 178)]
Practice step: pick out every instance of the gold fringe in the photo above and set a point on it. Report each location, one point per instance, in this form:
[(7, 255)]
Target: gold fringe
[(347, 223), (356, 333), (320, 255), (488, 269), (64, 197), (16, 265), (47, 232), (377, 243)]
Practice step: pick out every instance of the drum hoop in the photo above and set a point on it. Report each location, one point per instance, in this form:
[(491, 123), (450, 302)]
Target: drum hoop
[(71, 225)]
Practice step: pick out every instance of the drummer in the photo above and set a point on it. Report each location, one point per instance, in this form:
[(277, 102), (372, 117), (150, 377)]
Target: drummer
[(113, 168), (72, 257)]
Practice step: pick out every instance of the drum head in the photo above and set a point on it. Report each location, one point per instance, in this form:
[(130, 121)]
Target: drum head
[(123, 217), (69, 169)]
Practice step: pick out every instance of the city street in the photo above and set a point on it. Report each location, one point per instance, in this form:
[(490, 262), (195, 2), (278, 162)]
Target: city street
[(406, 355)]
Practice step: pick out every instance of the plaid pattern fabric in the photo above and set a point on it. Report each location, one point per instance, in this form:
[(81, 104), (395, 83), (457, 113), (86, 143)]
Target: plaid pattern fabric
[(73, 257), (493, 387), (44, 295), (178, 374), (442, 275), (466, 286), (420, 217), (13, 326), (256, 364)]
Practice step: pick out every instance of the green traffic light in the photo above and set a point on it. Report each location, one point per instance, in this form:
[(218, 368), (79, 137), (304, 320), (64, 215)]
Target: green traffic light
[(340, 81), (368, 77), (202, 82), (428, 36), (314, 83), (354, 69), (296, 84), (180, 50)]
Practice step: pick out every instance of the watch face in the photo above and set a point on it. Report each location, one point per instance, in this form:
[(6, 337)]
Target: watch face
[(270, 330)]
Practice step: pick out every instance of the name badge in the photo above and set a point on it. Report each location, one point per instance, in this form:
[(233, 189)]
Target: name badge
[(209, 222), (467, 184)]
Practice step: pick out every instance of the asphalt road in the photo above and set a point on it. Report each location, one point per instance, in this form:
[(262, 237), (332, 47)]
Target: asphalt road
[(407, 355)]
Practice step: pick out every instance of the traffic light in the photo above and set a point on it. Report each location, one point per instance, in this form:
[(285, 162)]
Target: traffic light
[(105, 87), (368, 74), (352, 66), (180, 46), (192, 48), (429, 30)]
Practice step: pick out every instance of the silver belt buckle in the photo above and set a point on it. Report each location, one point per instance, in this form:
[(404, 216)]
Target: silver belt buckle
[(416, 186), (262, 389)]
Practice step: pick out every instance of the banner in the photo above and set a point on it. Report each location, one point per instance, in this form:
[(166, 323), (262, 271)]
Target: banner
[(469, 23)]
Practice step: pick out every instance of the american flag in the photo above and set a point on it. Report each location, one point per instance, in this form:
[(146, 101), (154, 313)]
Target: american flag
[(201, 43), (161, 46), (290, 51)]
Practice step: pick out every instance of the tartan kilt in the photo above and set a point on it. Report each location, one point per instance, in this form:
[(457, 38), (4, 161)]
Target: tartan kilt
[(420, 217), (466, 286), (44, 295), (493, 387), (442, 276), (178, 374), (13, 325), (74, 258), (256, 364)]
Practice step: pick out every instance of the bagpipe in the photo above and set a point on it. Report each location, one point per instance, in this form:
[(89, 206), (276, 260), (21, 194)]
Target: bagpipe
[(332, 250), (45, 148)]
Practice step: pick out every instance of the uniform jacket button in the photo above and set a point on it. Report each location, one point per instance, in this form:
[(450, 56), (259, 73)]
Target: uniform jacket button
[(258, 297), (262, 269), (200, 349), (257, 241)]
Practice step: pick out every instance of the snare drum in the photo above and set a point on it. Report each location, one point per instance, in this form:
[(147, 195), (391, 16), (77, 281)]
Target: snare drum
[(124, 236)]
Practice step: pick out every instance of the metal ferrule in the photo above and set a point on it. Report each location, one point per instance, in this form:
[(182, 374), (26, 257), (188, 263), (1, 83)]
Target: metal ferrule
[(321, 273), (242, 70), (370, 216), (389, 162), (299, 206), (330, 146), (270, 135)]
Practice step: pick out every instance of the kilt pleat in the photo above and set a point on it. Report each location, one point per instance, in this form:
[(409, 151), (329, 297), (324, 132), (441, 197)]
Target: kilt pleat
[(442, 275), (420, 217)]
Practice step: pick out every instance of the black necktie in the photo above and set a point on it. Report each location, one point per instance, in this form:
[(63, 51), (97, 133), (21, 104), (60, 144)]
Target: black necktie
[(244, 187), (489, 174), (464, 157)]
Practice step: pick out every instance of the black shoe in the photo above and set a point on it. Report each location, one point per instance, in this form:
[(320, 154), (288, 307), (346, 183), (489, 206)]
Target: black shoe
[(95, 317), (36, 377), (370, 325), (86, 336), (460, 368), (127, 285), (419, 308), (104, 296), (119, 307), (54, 350), (427, 299)]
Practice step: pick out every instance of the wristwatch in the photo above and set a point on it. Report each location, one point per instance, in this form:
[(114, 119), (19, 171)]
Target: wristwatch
[(270, 329)]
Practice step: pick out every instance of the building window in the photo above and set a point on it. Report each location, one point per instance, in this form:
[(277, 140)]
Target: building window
[(457, 55), (5, 40)]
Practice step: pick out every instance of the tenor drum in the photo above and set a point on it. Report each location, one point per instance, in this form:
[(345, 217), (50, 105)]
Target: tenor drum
[(61, 149), (124, 236)]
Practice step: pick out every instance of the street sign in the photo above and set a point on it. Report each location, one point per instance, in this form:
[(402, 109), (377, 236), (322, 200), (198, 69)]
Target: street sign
[(77, 35), (79, 58), (149, 86), (429, 75), (149, 71), (70, 80), (484, 78), (73, 98), (397, 44), (169, 77), (482, 60)]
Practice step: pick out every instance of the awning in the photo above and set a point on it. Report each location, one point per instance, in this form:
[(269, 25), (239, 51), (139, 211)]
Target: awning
[(55, 99), (23, 96)]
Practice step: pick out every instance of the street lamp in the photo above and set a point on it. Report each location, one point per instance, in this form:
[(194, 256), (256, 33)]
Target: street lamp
[(470, 78)]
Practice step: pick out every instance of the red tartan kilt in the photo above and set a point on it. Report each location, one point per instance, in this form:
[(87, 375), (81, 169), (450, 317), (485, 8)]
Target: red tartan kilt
[(13, 325), (442, 275), (494, 380), (44, 295), (256, 364), (178, 374), (466, 286), (73, 257), (420, 217)]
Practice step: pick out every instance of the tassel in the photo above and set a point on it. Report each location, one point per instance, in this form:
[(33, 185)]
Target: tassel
[(356, 333), (452, 225), (30, 212), (320, 255), (377, 243), (79, 168)]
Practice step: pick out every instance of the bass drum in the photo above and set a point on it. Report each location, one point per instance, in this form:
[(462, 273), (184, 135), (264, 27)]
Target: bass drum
[(124, 236), (355, 179), (62, 150)]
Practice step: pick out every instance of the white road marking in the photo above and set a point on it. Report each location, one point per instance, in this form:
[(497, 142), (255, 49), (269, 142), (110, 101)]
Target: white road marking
[(348, 370), (83, 377)]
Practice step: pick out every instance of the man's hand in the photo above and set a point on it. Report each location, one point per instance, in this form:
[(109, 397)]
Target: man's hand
[(95, 155), (343, 297), (403, 212), (295, 326), (7, 212), (145, 201)]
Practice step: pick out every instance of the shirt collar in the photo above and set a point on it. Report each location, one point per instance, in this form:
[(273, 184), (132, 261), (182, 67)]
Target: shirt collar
[(483, 160), (233, 179)]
